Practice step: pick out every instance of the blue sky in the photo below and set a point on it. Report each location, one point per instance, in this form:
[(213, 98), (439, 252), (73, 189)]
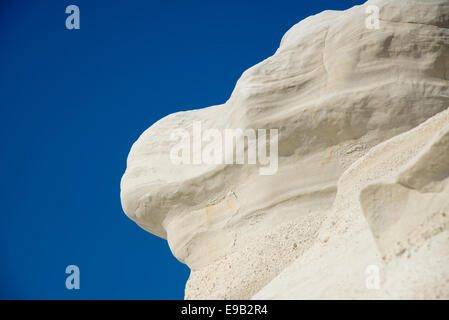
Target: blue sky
[(72, 102)]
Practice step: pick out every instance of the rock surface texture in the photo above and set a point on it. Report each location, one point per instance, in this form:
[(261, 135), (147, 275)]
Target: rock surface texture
[(362, 184)]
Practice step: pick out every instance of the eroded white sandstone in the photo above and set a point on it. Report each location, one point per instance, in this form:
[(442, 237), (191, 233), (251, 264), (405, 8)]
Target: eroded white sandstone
[(376, 220), (334, 89)]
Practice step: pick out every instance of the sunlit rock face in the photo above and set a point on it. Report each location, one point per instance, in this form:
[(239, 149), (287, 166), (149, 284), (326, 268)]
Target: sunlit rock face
[(361, 174)]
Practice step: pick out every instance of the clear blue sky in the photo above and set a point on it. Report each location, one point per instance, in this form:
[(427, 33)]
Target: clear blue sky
[(72, 102)]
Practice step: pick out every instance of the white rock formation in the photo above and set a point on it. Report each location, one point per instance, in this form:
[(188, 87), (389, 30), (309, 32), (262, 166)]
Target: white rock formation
[(362, 179), (391, 211)]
